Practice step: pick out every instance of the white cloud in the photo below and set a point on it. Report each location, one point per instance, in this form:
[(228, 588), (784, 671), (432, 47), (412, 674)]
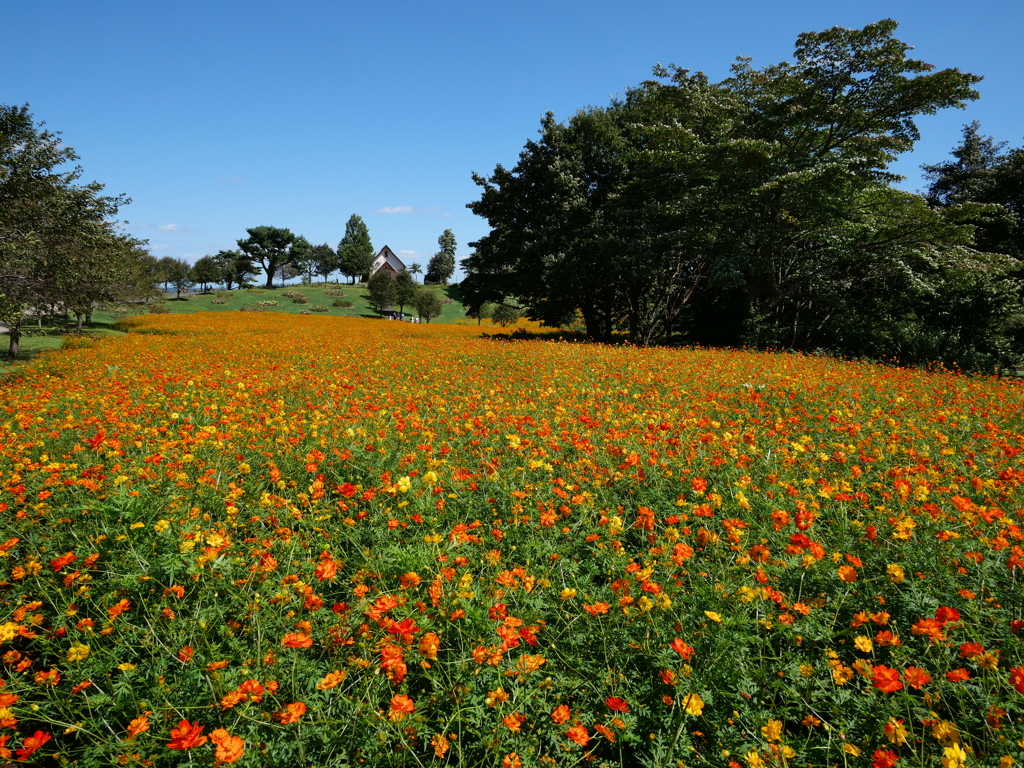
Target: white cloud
[(159, 247), (173, 228), (395, 209)]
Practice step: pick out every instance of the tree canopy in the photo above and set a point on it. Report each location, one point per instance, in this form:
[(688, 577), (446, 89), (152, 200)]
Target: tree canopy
[(441, 266), (355, 251), (756, 210), (59, 247), (274, 248)]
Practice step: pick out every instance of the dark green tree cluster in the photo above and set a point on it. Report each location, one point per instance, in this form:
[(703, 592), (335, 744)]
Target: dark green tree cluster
[(59, 248), (756, 210)]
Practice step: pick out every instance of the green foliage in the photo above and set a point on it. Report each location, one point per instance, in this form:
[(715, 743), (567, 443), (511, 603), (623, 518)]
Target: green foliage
[(58, 247), (405, 290), (505, 314), (757, 210), (380, 290), (442, 265), (355, 251), (206, 271), (428, 303), (274, 248)]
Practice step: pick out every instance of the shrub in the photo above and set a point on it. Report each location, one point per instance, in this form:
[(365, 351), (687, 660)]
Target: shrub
[(158, 309), (319, 308), (266, 303), (344, 303)]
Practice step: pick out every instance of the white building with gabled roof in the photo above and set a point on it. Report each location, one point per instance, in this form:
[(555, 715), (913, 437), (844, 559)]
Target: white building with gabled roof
[(386, 259)]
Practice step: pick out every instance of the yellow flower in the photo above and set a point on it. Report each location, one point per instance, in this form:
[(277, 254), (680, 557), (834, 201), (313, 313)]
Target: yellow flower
[(430, 477), (404, 484), (841, 674), (78, 652), (862, 643), (162, 525), (851, 749), (567, 594), (8, 632), (895, 573), (126, 667), (772, 731), (955, 757), (713, 616), (693, 704), (754, 759), (895, 731)]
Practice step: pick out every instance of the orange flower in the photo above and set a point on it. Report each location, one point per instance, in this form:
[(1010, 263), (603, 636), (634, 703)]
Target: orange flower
[(297, 640), (291, 713), (514, 722), (847, 573), (916, 677), (596, 609), (229, 748), (958, 675), (185, 653), (886, 679), (253, 689), (560, 714), (31, 744), (401, 707), (605, 731), (512, 760), (326, 569), (430, 643), (578, 733), (496, 697), (231, 699), (139, 725), (684, 650), (331, 680), (118, 608), (440, 743), (187, 736), (615, 704)]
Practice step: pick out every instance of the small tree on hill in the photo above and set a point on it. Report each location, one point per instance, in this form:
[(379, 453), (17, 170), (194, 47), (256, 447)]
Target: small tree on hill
[(405, 290), (506, 314), (482, 312), (427, 303), (179, 274), (381, 289), (355, 251), (442, 266), (207, 271)]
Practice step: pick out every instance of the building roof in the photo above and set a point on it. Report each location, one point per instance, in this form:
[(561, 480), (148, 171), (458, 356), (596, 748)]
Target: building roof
[(386, 256)]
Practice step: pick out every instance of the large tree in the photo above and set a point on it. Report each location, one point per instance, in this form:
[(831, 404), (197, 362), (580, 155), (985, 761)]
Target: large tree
[(58, 246), (207, 271), (322, 260), (729, 212), (441, 266), (405, 289), (355, 251), (235, 268), (380, 290), (273, 248)]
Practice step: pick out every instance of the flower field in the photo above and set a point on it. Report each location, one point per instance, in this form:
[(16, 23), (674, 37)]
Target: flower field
[(276, 540)]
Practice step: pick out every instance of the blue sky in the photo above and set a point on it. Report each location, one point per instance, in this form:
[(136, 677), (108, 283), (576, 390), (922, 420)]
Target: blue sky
[(219, 115)]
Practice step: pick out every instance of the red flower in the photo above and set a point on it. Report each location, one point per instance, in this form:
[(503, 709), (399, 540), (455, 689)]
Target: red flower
[(1017, 679), (958, 675), (944, 614), (31, 744), (884, 758), (186, 736), (615, 704), (886, 679), (560, 714), (684, 650)]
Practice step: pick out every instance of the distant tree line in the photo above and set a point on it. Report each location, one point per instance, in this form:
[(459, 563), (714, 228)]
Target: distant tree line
[(760, 210)]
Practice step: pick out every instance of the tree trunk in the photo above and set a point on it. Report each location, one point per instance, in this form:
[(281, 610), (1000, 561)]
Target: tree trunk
[(78, 322), (15, 332)]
